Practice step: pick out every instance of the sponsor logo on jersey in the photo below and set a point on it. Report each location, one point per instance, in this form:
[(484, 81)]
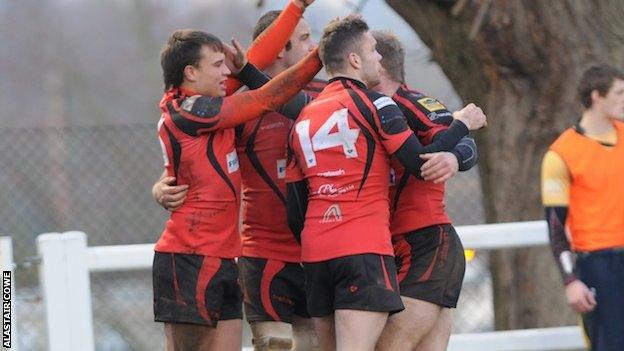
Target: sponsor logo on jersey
[(187, 104), (281, 169), (332, 214), (274, 125), (232, 161), (431, 104), (330, 174), (332, 190)]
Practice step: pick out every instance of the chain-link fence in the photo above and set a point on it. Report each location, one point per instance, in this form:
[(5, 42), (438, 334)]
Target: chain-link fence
[(98, 180)]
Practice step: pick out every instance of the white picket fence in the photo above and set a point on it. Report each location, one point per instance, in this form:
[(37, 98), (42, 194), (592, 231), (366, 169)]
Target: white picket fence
[(66, 262)]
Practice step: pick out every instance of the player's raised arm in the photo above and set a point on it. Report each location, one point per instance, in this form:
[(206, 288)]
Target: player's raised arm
[(265, 48), (202, 114)]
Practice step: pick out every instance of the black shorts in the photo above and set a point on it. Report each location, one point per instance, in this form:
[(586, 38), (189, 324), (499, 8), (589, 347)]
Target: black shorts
[(430, 264), (273, 290), (365, 282), (195, 289)]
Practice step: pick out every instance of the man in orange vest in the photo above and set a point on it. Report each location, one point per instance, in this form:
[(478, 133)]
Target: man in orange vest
[(583, 194)]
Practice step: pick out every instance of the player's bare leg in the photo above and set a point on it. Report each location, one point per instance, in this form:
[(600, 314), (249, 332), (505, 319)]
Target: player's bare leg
[(402, 332), (438, 338), (188, 337), (274, 336), (358, 330), (326, 332), (228, 336), (303, 335)]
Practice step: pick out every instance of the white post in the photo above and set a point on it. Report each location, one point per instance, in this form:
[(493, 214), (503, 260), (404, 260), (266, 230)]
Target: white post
[(6, 262), (64, 280)]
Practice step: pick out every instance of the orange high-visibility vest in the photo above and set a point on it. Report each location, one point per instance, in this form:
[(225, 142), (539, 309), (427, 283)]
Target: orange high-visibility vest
[(596, 208)]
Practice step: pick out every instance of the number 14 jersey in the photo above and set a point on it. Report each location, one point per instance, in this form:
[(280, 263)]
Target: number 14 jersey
[(341, 144)]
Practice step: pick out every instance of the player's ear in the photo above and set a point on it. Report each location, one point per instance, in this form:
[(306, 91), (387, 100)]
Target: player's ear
[(190, 73), (595, 96), (354, 60)]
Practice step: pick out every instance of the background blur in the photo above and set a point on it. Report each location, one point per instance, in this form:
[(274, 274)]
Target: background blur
[(79, 86)]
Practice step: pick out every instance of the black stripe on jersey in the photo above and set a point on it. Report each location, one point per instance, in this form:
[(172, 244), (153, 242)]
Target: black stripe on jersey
[(399, 189), (186, 125), (407, 95), (364, 109), (176, 149), (413, 121), (238, 130), (257, 165), (370, 151), (215, 164)]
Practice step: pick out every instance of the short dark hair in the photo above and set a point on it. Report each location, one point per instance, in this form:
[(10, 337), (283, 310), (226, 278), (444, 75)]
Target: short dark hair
[(341, 37), (393, 54), (183, 48), (597, 77), (265, 21)]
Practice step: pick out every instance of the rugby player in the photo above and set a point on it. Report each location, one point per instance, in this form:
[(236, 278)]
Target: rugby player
[(428, 253), (196, 291), (271, 276), (583, 194), (338, 181)]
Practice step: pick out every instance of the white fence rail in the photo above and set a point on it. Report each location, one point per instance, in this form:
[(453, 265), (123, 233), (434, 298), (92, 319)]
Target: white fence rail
[(67, 262)]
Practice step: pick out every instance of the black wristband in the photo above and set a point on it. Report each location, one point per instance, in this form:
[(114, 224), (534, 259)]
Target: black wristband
[(252, 76)]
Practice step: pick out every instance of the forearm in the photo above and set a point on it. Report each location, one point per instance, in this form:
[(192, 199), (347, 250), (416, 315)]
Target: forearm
[(560, 247), (265, 48), (254, 79), (240, 108), (466, 153), (409, 152)]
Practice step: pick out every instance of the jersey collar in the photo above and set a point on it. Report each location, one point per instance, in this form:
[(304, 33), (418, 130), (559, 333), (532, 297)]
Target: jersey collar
[(358, 83)]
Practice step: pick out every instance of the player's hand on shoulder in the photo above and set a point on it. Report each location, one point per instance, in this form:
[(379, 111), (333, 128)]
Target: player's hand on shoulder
[(580, 297), (168, 195), (235, 57), (472, 116), (439, 166)]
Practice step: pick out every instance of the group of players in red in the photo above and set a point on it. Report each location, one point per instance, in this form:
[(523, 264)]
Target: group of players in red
[(345, 243)]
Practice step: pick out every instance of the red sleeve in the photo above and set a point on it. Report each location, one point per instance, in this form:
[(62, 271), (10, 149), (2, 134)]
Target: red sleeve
[(202, 114), (265, 48)]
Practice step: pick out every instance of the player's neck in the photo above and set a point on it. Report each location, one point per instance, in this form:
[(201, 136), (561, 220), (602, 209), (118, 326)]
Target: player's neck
[(595, 122), (387, 87)]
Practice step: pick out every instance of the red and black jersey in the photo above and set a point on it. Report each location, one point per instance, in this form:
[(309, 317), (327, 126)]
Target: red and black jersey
[(261, 146), (203, 157), (340, 145), (416, 203), (197, 136)]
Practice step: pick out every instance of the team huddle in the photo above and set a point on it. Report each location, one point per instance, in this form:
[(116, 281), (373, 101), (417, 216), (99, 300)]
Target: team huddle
[(345, 243)]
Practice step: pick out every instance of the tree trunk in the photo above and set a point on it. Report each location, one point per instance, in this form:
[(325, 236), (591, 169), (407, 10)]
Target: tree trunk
[(521, 61)]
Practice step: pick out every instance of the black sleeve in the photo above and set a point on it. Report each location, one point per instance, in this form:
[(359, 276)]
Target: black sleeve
[(252, 77), (292, 108), (296, 206), (409, 153), (466, 153), (556, 217)]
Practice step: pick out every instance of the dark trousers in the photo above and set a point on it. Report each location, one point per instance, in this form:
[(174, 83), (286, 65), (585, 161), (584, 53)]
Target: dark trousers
[(604, 271)]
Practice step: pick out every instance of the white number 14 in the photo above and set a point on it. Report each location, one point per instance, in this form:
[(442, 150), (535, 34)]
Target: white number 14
[(324, 139)]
